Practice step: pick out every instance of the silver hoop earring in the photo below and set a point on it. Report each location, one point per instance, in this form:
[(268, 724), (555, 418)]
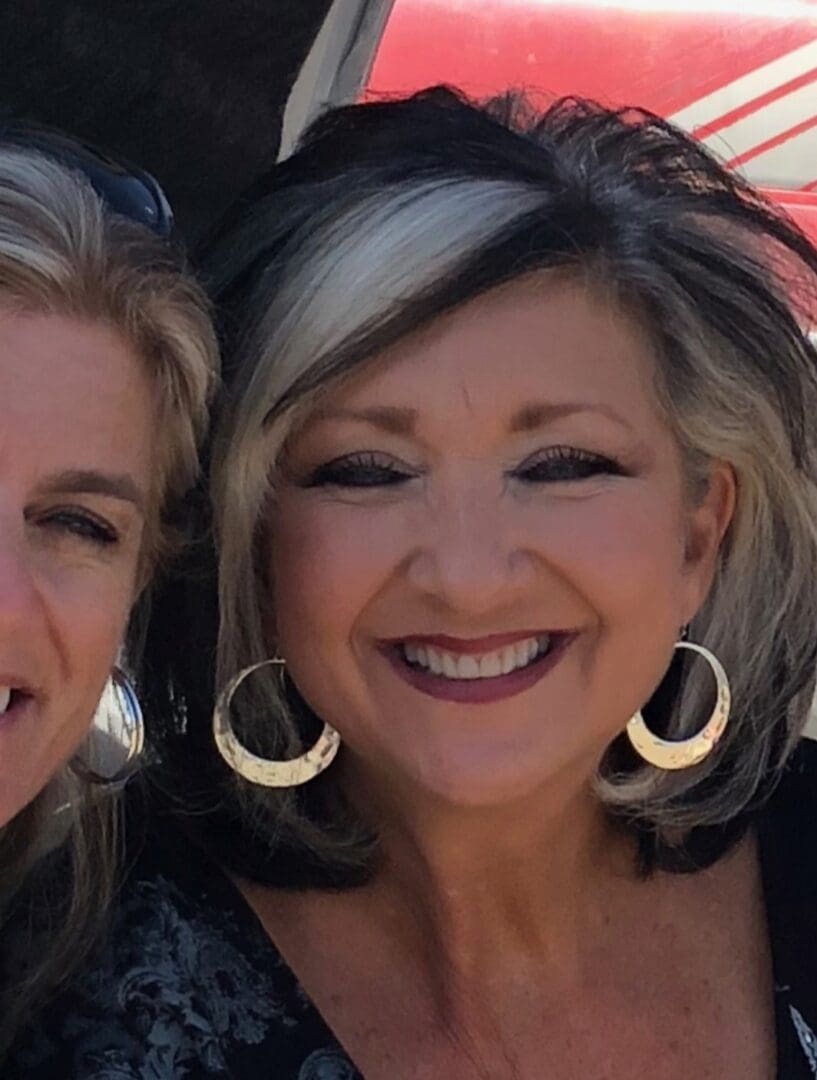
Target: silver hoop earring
[(258, 770), (127, 705), (683, 753)]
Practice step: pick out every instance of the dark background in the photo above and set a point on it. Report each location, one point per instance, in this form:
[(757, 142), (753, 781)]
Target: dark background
[(193, 90)]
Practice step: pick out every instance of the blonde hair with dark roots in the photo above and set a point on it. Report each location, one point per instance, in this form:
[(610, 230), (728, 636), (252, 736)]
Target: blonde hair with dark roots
[(63, 252), (391, 214)]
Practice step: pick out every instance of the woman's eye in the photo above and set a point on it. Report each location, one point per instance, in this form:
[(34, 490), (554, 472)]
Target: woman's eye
[(359, 471), (564, 463), (81, 524)]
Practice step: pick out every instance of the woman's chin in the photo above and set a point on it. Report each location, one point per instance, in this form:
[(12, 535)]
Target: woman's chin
[(489, 784), (19, 789), (13, 800)]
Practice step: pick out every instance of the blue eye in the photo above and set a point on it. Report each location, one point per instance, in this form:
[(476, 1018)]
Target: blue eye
[(560, 464), (365, 470), (83, 525)]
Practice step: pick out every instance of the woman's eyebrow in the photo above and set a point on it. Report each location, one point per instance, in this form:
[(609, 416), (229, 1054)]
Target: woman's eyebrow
[(539, 414), (93, 482), (397, 420), (403, 420)]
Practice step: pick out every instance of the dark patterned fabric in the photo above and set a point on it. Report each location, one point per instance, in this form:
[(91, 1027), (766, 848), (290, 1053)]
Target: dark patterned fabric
[(189, 987)]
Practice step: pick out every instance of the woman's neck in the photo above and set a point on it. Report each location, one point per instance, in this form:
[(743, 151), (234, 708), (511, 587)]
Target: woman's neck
[(528, 879)]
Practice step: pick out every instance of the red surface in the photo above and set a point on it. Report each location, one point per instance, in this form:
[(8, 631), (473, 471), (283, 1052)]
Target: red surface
[(663, 61), (659, 60), (802, 206)]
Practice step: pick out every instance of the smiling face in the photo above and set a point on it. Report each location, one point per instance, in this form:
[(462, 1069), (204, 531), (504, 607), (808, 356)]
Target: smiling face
[(483, 549), (75, 468)]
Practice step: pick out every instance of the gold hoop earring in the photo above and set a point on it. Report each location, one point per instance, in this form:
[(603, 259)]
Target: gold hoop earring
[(120, 689), (682, 753), (258, 770)]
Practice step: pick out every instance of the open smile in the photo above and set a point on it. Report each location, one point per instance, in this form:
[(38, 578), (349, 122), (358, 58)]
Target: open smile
[(477, 670), (13, 703)]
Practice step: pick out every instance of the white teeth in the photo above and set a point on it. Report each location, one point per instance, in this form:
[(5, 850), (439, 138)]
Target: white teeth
[(508, 659), (449, 666), (468, 667), (487, 666), (490, 666), (5, 698)]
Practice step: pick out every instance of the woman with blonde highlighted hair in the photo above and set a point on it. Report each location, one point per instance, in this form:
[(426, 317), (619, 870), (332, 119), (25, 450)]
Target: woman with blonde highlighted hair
[(107, 364), (498, 772)]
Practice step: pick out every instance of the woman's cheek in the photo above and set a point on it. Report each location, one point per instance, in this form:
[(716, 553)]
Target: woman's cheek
[(330, 557), (329, 560), (620, 523)]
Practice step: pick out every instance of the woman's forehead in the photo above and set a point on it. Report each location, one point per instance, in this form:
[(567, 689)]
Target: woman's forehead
[(528, 346)]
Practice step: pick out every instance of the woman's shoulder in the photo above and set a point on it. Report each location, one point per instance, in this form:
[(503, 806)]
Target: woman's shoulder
[(787, 830), (186, 983), (791, 813), (787, 836)]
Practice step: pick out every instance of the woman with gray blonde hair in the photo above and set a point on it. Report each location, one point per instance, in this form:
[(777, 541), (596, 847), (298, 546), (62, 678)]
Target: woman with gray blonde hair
[(107, 364), (516, 517)]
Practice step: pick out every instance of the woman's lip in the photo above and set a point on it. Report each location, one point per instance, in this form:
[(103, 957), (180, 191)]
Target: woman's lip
[(479, 691), (16, 682), (473, 646)]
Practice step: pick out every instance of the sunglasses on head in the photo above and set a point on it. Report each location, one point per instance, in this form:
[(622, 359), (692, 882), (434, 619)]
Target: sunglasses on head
[(124, 188)]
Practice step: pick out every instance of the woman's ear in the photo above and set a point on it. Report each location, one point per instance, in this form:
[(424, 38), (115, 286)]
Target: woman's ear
[(706, 526)]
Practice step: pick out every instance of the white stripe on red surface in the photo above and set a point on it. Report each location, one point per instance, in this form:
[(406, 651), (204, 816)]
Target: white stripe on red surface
[(737, 94), (765, 124)]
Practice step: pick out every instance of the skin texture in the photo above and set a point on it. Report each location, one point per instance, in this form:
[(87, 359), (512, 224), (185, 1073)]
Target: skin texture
[(525, 944), (75, 470)]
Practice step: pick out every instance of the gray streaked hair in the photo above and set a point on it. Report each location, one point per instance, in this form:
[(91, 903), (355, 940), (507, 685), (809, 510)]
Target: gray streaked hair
[(391, 214), (63, 252)]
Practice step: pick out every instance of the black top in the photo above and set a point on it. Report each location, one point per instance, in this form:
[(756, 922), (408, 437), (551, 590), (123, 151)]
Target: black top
[(189, 985)]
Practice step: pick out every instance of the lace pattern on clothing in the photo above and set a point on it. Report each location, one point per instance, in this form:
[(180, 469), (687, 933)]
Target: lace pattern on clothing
[(177, 996), (806, 1038)]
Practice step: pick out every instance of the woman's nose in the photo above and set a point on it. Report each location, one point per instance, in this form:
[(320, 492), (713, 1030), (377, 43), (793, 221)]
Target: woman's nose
[(470, 559)]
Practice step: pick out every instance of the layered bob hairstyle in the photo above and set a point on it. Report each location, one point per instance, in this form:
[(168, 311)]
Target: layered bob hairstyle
[(392, 213), (63, 252)]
